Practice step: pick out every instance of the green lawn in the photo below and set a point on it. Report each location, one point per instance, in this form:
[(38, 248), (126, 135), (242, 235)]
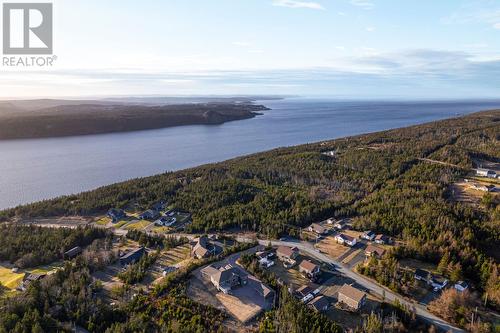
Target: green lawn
[(139, 225), (119, 224), (46, 268), (9, 279), (103, 221), (12, 280), (161, 229)]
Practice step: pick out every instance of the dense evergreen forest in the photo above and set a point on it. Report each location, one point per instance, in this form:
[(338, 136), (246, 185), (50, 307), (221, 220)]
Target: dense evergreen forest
[(29, 246), (377, 179)]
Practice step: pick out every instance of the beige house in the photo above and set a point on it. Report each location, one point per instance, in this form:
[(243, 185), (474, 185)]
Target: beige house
[(308, 268), (318, 229), (352, 297), (374, 251), (287, 254)]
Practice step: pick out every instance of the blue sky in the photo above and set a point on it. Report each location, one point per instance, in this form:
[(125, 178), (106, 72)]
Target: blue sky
[(338, 48)]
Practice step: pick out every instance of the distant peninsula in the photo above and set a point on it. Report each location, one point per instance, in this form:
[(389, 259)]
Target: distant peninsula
[(52, 118)]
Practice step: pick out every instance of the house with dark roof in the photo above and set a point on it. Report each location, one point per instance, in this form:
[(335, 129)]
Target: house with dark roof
[(341, 224), (159, 206), (368, 235), (351, 297), (319, 303), (29, 279), (382, 239), (309, 269), (226, 278), (438, 282), (70, 254), (421, 275), (307, 292), (345, 240), (150, 214), (116, 214), (202, 248), (132, 256)]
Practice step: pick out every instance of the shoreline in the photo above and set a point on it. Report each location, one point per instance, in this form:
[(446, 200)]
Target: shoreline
[(83, 175), (92, 119)]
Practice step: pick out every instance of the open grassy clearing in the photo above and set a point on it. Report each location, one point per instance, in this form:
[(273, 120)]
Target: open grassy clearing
[(103, 221), (330, 246), (9, 279), (139, 225), (12, 280)]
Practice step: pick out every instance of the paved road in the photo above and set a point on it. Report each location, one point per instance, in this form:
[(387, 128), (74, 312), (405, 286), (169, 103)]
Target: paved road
[(366, 283)]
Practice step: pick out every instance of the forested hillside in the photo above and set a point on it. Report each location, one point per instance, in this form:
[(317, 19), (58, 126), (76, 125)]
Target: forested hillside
[(376, 178)]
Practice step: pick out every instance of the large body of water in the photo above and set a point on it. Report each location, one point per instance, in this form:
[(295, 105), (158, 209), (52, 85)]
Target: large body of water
[(36, 169)]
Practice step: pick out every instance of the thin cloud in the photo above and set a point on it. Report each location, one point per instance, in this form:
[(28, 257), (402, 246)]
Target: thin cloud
[(365, 4), (472, 13), (298, 4), (242, 44)]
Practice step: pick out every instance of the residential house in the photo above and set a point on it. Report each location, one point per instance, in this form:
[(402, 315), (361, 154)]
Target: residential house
[(166, 221), (307, 292), (318, 229), (341, 224), (70, 254), (368, 235), (438, 282), (261, 289), (331, 220), (226, 278), (132, 256), (382, 239), (461, 286), (345, 240), (374, 251), (320, 303), (352, 297), (116, 214), (264, 255), (266, 262), (486, 173), (159, 206), (309, 269), (28, 279), (421, 275), (330, 153), (150, 214), (287, 254), (202, 248)]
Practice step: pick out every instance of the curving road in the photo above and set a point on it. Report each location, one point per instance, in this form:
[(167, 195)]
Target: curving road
[(420, 310)]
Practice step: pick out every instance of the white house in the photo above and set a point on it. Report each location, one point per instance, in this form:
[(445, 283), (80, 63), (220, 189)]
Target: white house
[(368, 235), (486, 173), (345, 239)]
